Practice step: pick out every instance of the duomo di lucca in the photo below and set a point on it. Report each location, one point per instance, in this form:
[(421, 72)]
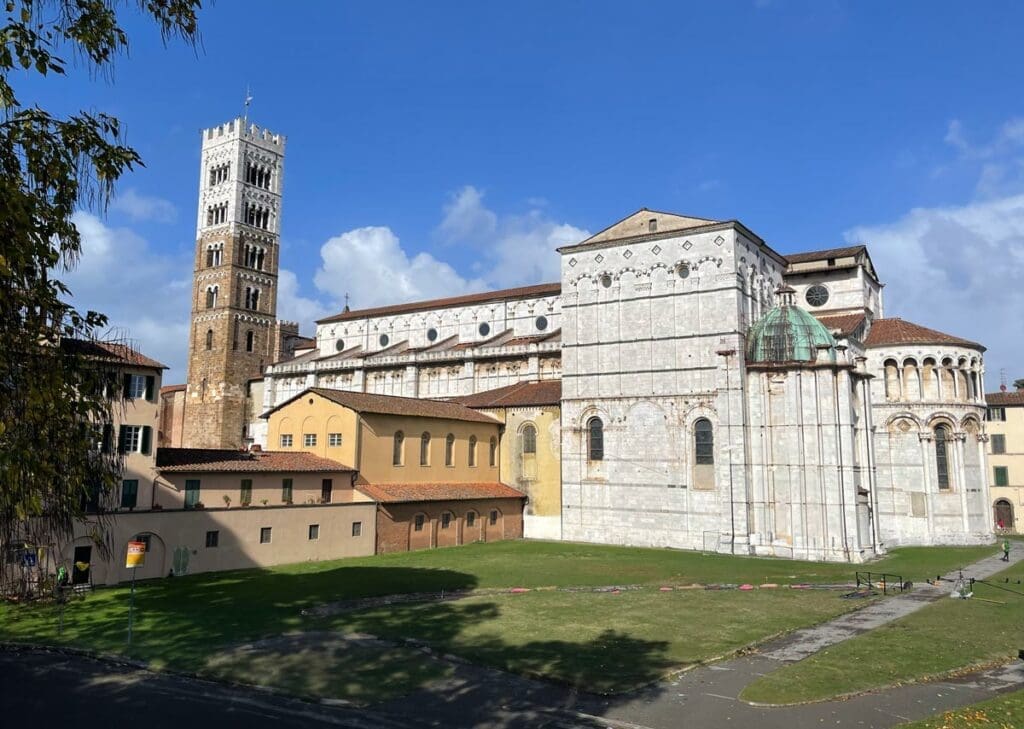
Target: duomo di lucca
[(682, 385)]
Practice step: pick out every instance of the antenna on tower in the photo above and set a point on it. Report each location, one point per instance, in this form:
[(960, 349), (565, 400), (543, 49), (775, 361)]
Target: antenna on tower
[(248, 100)]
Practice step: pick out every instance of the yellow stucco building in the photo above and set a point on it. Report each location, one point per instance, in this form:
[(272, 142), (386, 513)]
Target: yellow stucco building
[(1005, 429)]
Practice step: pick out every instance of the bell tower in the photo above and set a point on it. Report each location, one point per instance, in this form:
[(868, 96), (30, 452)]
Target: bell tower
[(234, 284)]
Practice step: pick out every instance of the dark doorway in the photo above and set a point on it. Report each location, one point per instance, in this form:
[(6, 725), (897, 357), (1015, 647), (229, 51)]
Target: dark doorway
[(1004, 514), (83, 556), (326, 490)]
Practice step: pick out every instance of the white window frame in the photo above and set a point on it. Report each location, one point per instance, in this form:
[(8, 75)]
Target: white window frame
[(132, 438), (137, 386), (334, 440), (309, 440), (286, 440)]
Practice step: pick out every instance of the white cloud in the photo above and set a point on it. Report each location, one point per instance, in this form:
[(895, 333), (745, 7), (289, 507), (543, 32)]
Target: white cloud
[(144, 208), (139, 291), (959, 270), (513, 250), (291, 306), (370, 265)]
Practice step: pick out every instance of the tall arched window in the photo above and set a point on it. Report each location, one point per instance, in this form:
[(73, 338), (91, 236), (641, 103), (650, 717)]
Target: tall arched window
[(892, 380), (425, 449), (449, 450), (942, 456), (595, 439), (250, 339), (703, 443), (398, 456), (211, 297), (472, 451), (529, 438), (493, 457), (209, 339)]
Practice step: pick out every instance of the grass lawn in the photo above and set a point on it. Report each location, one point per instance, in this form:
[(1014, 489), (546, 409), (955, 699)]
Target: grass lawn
[(182, 622), (937, 639), (1004, 712), (599, 641)]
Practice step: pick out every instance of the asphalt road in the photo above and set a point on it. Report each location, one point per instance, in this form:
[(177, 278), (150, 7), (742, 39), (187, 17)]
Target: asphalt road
[(44, 689)]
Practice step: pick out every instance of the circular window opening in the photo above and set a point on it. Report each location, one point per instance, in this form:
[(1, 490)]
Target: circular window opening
[(542, 323), (485, 329), (431, 334), (384, 339), (683, 270), (817, 295), (606, 281), (339, 345)]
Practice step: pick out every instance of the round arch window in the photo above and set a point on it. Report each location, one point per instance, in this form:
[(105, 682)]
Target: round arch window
[(542, 323), (817, 295), (485, 329), (431, 334), (339, 345), (683, 270), (384, 339), (606, 281)]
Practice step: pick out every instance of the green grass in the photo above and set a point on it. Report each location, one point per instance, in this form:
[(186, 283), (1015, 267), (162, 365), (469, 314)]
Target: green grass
[(936, 640), (1003, 712), (181, 622), (328, 666), (599, 641)]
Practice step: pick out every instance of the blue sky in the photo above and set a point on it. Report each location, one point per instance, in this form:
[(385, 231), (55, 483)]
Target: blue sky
[(443, 147)]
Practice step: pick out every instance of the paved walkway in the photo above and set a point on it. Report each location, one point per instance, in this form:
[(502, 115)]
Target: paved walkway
[(707, 697)]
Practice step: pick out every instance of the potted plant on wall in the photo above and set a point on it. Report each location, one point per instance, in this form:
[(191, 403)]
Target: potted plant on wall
[(227, 501), (263, 501)]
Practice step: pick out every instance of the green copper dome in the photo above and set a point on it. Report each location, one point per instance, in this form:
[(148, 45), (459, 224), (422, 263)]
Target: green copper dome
[(787, 333)]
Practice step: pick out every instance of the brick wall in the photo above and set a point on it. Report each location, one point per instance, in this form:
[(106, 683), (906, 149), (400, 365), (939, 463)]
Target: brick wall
[(395, 524)]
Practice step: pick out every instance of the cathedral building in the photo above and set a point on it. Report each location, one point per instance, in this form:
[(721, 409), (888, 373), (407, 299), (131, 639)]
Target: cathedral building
[(703, 390)]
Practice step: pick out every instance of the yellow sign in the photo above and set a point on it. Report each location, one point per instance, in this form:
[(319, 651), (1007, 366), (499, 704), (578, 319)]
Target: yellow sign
[(136, 554)]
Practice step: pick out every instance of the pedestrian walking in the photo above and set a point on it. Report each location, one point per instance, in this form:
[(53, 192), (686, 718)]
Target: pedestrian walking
[(1006, 550)]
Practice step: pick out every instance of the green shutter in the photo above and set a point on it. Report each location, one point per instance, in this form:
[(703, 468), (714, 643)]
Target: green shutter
[(150, 388), (127, 386), (122, 439), (129, 493), (147, 439), (1002, 476), (191, 492), (245, 496)]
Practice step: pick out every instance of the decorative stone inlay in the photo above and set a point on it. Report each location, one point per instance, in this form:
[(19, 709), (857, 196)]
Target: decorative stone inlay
[(687, 245), (572, 261), (627, 255), (656, 250), (719, 240), (598, 258)]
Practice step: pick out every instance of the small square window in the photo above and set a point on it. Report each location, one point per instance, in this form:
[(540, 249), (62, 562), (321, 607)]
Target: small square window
[(418, 523), (998, 444), (212, 538), (314, 532), (286, 440), (265, 535), (334, 440), (309, 440), (357, 528), (136, 386), (1002, 476)]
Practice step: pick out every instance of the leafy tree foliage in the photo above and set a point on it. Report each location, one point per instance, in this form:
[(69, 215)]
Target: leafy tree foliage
[(53, 398)]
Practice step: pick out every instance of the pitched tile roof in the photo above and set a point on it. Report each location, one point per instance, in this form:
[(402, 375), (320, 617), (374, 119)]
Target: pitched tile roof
[(111, 351), (521, 292), (168, 389), (205, 460), (540, 392), (1014, 397), (397, 493), (847, 324), (364, 402), (885, 332), (827, 253)]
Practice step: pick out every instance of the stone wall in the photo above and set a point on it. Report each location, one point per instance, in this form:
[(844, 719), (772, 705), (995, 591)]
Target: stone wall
[(396, 524)]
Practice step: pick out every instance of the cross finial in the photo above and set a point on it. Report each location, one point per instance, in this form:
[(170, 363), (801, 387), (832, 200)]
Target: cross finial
[(248, 100), (346, 302)]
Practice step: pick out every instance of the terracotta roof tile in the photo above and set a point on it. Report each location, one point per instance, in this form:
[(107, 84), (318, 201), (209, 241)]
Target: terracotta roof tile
[(168, 389), (205, 460), (822, 255), (885, 332), (396, 493), (847, 324), (112, 351), (364, 402), (541, 392), (521, 292), (1014, 397)]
